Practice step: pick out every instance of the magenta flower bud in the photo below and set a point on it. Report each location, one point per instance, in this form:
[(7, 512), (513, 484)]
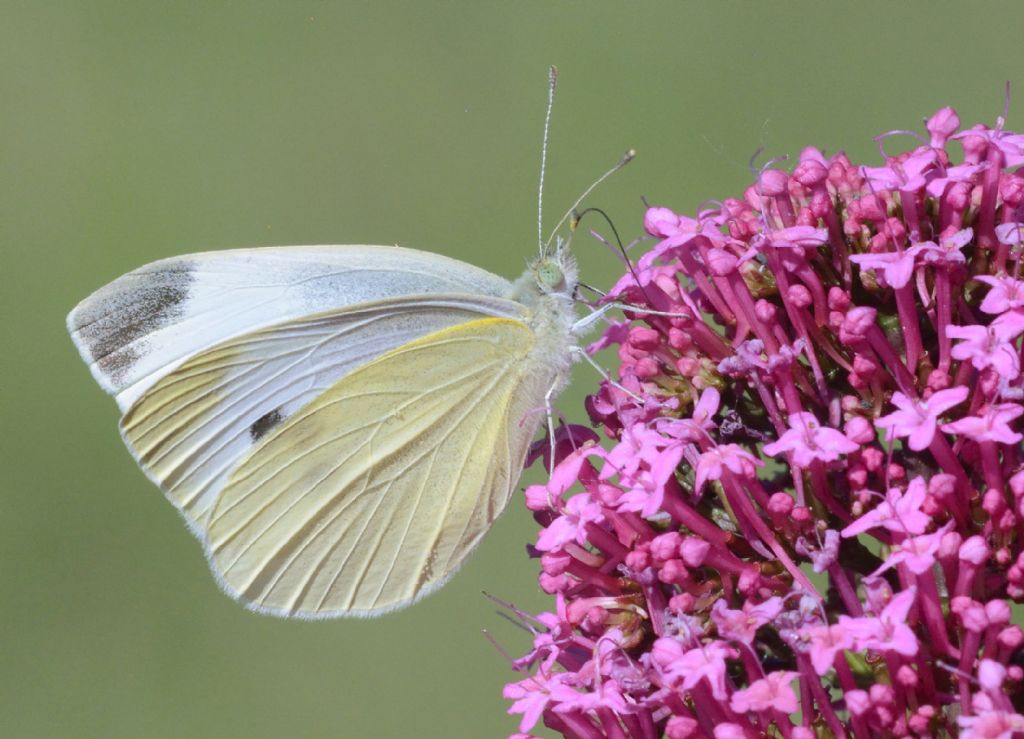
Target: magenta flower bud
[(802, 515), (974, 618), (810, 172), (992, 502), (975, 551), (858, 701), (859, 321), (555, 563), (646, 369), (801, 732), (643, 337), (1015, 673), (682, 727), (949, 546), (942, 485), (552, 585), (774, 182), (780, 504), (764, 311), (688, 366), (694, 551), (596, 618), (907, 677), (638, 559), (857, 475), (1011, 637), (660, 222), (799, 296), (859, 430), (943, 124), (998, 612), (679, 339), (666, 546), (838, 299), (682, 602), (991, 675), (538, 498), (872, 458)]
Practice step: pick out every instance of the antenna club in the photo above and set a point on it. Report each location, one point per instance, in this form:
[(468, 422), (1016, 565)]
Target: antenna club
[(552, 73), (629, 156)]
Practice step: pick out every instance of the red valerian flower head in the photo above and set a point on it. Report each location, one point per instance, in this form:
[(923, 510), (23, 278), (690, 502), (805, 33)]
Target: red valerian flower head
[(721, 561)]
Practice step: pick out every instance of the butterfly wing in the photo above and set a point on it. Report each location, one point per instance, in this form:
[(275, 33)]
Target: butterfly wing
[(191, 428), (143, 325), (372, 495)]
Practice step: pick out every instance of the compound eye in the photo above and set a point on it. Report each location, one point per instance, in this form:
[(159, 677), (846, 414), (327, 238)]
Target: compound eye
[(550, 277)]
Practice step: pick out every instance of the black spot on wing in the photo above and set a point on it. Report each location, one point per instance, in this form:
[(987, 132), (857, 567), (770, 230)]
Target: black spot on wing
[(264, 423)]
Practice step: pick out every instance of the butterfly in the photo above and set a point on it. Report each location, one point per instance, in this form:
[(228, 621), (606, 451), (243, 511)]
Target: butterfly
[(339, 425)]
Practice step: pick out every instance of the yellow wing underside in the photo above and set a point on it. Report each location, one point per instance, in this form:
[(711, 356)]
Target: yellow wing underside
[(373, 494)]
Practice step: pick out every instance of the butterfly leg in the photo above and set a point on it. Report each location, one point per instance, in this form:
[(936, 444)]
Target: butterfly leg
[(549, 410), (604, 374)]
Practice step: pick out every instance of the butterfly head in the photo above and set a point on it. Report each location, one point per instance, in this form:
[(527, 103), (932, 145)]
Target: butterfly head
[(554, 271)]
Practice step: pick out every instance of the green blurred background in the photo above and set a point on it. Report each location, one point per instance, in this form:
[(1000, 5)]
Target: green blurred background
[(133, 131)]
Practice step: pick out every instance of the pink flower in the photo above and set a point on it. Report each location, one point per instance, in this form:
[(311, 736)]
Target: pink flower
[(686, 668), (772, 692), (742, 625), (987, 346), (698, 427), (991, 725), (808, 441), (900, 512), (898, 267), (946, 252), (887, 632), (992, 426), (532, 695), (916, 552), (1005, 294), (1010, 234), (579, 511), (712, 463), (826, 641), (917, 418), (607, 695)]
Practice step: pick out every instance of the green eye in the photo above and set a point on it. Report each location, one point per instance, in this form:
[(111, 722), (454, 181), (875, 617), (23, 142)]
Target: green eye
[(550, 276)]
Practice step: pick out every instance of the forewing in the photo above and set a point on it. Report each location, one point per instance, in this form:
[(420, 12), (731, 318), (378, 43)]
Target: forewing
[(193, 427), (144, 324), (373, 494)]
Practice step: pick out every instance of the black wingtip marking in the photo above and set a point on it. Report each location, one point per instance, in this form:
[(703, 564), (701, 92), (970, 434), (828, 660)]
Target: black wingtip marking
[(264, 423)]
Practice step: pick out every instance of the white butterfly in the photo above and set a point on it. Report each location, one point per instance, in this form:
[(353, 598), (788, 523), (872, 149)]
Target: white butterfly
[(339, 425)]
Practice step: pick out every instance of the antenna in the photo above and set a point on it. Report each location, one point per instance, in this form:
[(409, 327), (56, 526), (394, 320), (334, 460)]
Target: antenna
[(626, 159), (552, 82)]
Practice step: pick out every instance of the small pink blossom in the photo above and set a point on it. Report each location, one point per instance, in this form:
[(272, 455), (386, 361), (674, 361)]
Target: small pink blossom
[(887, 632), (993, 425), (825, 642), (772, 692), (808, 440), (987, 346), (579, 511), (897, 267), (742, 625), (917, 419), (900, 512), (1005, 294), (917, 553), (712, 464), (685, 668)]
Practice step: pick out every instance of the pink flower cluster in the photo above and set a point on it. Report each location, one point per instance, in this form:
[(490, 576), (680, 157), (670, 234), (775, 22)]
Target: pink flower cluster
[(808, 517)]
